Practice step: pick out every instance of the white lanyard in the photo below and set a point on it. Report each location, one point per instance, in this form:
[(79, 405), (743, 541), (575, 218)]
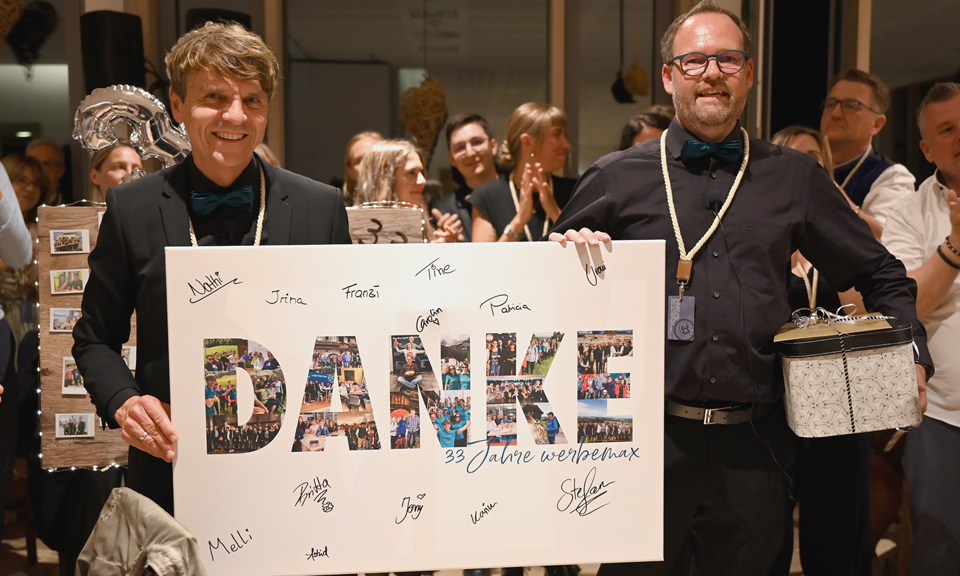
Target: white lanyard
[(516, 205), (263, 209), (685, 264)]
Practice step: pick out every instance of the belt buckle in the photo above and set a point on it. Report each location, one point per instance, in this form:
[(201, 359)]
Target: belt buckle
[(709, 412)]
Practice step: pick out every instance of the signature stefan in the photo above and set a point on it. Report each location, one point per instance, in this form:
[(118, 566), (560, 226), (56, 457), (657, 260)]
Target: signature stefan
[(582, 498)]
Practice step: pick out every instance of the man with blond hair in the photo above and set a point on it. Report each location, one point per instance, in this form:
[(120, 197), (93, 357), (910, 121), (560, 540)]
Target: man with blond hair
[(222, 79)]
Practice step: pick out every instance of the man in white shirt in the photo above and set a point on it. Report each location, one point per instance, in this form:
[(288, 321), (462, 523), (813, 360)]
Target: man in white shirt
[(923, 230), (853, 113)]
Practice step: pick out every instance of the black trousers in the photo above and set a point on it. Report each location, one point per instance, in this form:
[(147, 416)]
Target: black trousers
[(832, 478), (725, 494), (151, 477)]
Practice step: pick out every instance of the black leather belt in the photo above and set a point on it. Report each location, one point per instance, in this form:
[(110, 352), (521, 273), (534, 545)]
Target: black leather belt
[(733, 414)]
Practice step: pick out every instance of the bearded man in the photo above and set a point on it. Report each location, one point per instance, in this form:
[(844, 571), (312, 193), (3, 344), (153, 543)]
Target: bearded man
[(732, 210)]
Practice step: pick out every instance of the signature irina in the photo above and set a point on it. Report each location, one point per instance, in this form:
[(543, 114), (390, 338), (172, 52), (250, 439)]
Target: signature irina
[(583, 498)]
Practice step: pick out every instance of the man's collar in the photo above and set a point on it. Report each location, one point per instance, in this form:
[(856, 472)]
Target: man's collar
[(944, 186), (677, 135), (849, 163), (199, 181)]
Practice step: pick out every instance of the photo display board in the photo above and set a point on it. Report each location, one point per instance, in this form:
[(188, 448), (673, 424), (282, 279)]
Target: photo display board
[(416, 407), (73, 434)]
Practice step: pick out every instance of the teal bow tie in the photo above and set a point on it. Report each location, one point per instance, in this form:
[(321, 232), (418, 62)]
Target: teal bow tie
[(205, 203), (729, 151)]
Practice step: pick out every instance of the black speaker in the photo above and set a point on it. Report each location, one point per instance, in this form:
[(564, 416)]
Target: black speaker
[(801, 45), (199, 16), (111, 45)]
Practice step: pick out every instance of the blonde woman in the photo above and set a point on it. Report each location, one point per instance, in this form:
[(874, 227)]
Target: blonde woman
[(392, 171), (110, 166), (523, 204)]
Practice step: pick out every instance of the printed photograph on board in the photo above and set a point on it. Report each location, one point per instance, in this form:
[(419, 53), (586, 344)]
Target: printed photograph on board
[(129, 355), (72, 381), (69, 241), (68, 281), (63, 319), (75, 425)]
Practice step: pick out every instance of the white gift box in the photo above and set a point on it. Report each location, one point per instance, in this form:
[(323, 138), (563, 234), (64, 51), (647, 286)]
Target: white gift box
[(846, 375)]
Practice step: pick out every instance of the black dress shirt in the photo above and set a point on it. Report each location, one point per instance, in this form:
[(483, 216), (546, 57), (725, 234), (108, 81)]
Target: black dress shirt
[(227, 225), (785, 202)]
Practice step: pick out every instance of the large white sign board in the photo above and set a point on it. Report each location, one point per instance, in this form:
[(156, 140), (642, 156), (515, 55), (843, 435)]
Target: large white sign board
[(366, 335)]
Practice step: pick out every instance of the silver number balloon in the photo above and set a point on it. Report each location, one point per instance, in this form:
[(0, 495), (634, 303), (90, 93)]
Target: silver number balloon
[(152, 133)]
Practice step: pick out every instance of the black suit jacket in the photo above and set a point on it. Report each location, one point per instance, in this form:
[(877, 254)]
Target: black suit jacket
[(127, 273)]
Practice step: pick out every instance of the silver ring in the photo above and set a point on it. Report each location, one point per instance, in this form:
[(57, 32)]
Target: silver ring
[(142, 436)]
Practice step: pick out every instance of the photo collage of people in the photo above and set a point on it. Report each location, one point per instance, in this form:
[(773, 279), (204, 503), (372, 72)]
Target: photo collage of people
[(513, 379), (66, 283), (336, 368), (514, 386), (447, 400), (598, 388), (222, 359)]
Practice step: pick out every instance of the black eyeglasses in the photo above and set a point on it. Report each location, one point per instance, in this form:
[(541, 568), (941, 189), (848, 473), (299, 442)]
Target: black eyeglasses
[(696, 63), (847, 105)]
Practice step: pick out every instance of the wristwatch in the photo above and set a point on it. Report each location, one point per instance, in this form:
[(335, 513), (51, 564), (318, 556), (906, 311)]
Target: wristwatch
[(509, 231)]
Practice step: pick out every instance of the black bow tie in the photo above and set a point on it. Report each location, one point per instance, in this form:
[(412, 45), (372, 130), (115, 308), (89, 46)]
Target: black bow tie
[(729, 151), (204, 203)]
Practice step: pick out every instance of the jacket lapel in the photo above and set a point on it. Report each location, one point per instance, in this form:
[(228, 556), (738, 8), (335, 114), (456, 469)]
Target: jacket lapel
[(279, 212), (173, 207)]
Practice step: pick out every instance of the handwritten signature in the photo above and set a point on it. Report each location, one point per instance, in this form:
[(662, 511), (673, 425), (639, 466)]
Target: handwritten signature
[(501, 303), (434, 270), (351, 291), (484, 510), (209, 286), (583, 498), (431, 319), (315, 490), (238, 543), (410, 509), (592, 272), (315, 553), (285, 299)]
